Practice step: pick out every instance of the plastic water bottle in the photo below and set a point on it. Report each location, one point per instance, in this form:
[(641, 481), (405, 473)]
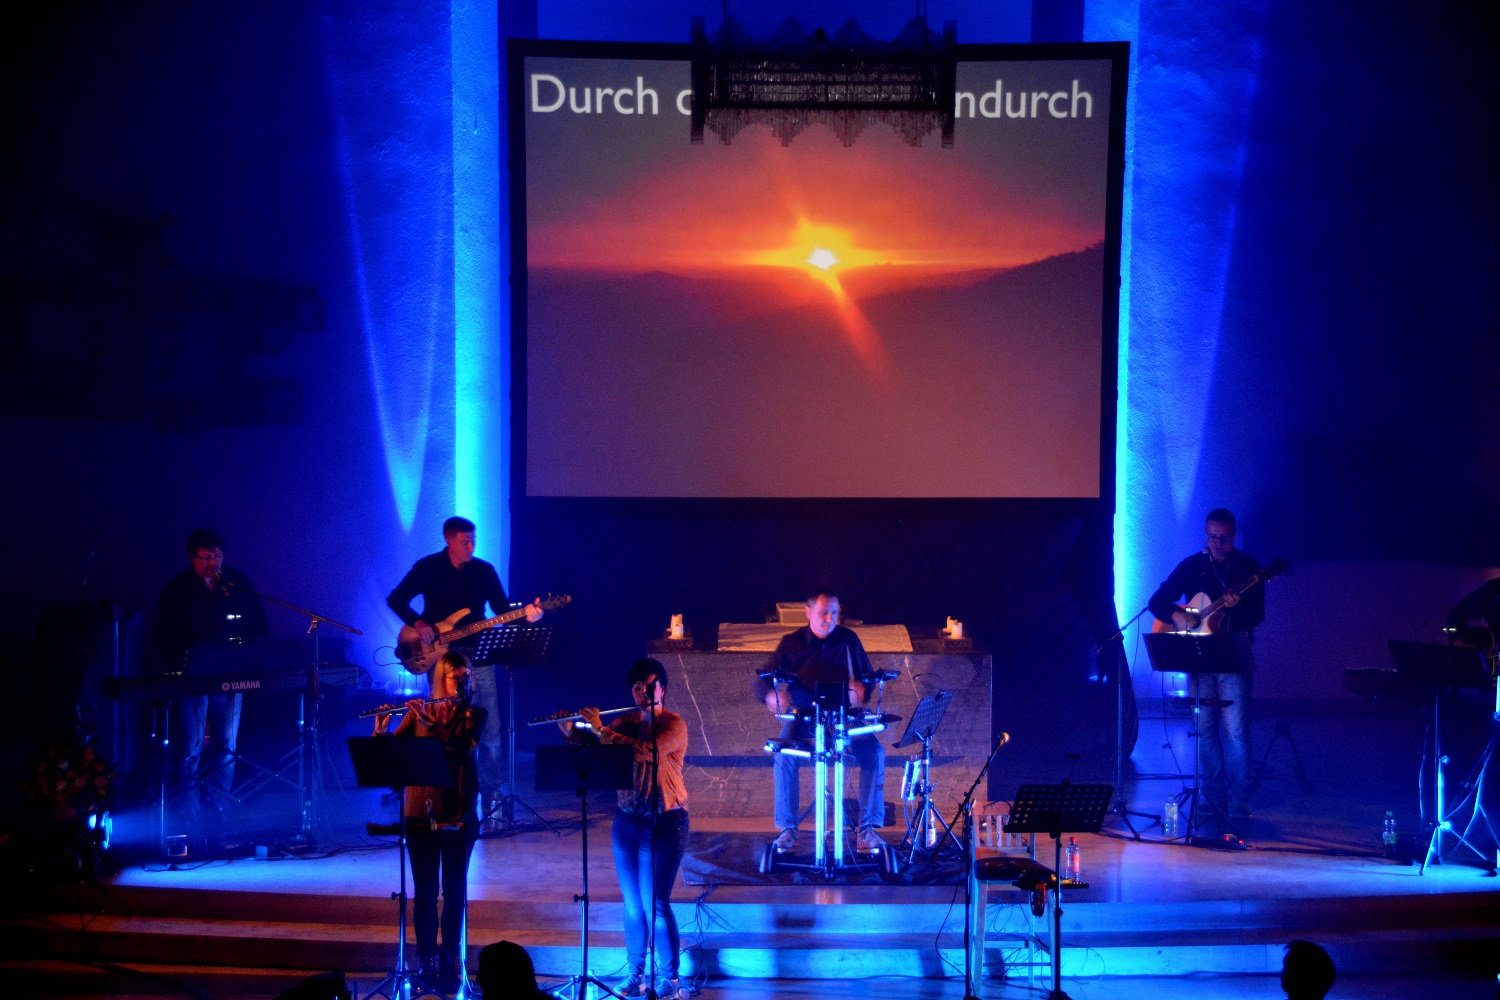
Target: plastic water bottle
[(1072, 863), (1169, 819), (1388, 833)]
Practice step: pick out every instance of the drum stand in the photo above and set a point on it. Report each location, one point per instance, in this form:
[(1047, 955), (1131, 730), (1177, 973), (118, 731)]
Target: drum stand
[(821, 754)]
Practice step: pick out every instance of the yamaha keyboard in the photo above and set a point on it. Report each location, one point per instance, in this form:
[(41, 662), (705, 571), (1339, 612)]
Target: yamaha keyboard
[(168, 687)]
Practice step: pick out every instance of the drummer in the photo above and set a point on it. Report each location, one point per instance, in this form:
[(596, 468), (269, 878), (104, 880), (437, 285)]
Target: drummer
[(822, 653)]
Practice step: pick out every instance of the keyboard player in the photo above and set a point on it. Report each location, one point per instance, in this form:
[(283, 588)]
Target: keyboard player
[(207, 602)]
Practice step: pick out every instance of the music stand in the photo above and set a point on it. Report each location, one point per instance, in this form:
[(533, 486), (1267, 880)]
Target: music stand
[(581, 768), (510, 648), (1195, 654), (923, 726), (1439, 667), (387, 762), (1055, 810)]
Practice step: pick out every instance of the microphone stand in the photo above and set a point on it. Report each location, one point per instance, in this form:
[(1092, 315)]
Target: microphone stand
[(655, 787), (307, 721), (965, 815), (1121, 808)]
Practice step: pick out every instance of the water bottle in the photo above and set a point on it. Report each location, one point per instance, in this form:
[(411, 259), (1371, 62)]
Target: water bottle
[(1072, 864), (1388, 833), (1169, 819)]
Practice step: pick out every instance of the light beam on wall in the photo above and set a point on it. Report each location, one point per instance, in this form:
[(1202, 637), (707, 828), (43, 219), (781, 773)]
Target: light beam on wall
[(1188, 123), (480, 354)]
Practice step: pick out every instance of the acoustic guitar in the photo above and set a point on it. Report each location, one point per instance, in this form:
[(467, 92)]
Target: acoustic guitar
[(420, 657), (1208, 615)]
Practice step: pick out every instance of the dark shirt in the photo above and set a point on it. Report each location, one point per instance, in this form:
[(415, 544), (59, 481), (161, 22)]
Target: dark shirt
[(805, 660), (446, 589), (1199, 574), (189, 612), (1482, 603)]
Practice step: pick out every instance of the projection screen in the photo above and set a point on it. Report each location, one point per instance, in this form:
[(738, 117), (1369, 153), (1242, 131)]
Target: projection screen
[(814, 318)]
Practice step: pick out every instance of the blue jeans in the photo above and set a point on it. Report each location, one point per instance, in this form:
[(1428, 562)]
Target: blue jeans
[(637, 862), (865, 749), (220, 714), (1225, 738), (492, 736)]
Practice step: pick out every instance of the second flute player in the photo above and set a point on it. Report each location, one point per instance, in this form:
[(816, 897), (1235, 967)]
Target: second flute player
[(651, 825)]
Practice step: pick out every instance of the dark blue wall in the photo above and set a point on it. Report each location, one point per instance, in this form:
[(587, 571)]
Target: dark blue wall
[(1309, 291)]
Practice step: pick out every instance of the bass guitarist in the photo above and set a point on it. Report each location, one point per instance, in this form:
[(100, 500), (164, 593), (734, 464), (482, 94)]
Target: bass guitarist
[(450, 581), (1220, 571)]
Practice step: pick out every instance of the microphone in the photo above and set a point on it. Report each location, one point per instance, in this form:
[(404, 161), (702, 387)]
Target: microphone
[(222, 584), (1004, 739)]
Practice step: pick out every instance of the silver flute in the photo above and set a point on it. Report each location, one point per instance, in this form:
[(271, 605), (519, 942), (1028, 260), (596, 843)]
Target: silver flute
[(399, 709), (566, 716)]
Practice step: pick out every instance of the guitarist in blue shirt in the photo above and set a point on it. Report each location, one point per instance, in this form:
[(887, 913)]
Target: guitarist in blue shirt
[(1228, 585)]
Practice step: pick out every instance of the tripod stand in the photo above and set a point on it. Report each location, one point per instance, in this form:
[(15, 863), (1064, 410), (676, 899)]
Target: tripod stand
[(1283, 732), (308, 763), (1439, 668), (1197, 655), (510, 648), (580, 768), (396, 763), (1122, 677), (924, 820)]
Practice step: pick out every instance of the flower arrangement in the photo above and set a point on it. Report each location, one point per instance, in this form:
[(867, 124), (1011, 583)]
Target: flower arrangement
[(74, 780)]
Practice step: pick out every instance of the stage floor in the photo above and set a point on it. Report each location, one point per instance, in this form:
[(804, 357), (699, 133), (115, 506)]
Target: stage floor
[(1156, 918)]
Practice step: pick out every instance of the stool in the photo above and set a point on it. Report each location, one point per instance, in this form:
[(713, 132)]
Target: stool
[(1028, 875)]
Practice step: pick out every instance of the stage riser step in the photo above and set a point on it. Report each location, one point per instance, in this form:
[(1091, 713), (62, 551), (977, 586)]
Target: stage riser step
[(1445, 910), (807, 956)]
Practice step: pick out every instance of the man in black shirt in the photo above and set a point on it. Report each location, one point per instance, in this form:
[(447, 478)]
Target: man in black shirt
[(206, 602), (1475, 620), (1224, 725), (448, 581), (822, 652)]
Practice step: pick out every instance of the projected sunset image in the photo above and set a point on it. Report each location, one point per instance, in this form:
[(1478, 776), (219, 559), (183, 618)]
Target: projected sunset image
[(755, 319)]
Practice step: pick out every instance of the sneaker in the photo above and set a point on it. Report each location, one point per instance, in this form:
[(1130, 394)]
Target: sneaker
[(668, 989), (635, 986), (869, 840), (786, 841)]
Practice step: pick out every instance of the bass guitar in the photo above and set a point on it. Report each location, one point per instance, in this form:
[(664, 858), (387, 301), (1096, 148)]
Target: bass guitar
[(1208, 615), (419, 657)]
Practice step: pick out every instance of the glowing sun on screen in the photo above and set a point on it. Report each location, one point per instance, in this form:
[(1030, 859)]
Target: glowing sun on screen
[(822, 258), (822, 252)]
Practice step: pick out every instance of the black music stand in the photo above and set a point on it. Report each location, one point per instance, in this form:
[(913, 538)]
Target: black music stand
[(388, 762), (1440, 667), (510, 648), (923, 726), (1195, 654), (581, 768), (1055, 810)]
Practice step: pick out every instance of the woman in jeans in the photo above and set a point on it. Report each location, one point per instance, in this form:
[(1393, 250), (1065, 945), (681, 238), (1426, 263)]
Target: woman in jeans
[(651, 823)]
